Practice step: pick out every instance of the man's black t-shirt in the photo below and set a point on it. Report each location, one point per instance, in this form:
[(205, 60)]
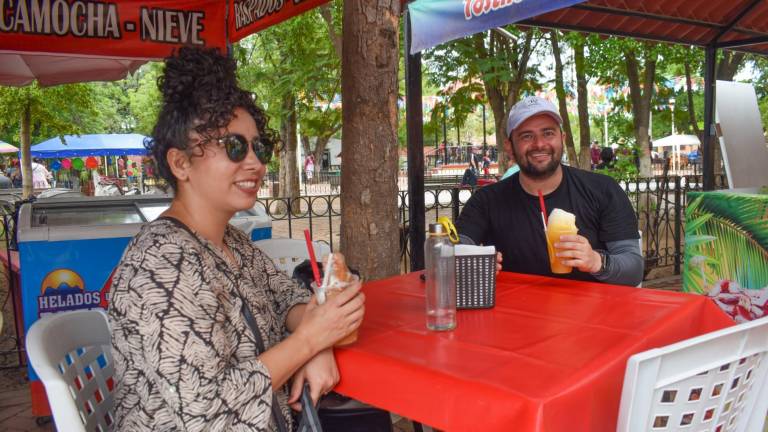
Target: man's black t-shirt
[(504, 215)]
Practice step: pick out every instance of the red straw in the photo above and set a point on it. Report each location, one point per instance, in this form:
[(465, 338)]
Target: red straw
[(543, 208), (312, 261)]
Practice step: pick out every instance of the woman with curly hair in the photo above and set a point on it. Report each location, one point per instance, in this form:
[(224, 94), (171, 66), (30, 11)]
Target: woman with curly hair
[(206, 332)]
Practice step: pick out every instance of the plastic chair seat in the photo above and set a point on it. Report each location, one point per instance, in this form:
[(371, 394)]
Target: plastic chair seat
[(71, 353), (288, 253), (715, 382)]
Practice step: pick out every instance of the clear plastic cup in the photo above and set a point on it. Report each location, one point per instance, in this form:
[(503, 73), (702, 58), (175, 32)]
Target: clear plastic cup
[(553, 236), (329, 293)]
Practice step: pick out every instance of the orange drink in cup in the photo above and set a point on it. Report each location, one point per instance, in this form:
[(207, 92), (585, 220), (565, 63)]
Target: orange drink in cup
[(560, 223), (337, 277)]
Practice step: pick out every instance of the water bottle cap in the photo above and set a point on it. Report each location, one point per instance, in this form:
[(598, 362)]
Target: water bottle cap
[(437, 229)]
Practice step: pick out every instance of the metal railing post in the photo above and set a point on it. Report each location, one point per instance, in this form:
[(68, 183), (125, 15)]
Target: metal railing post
[(678, 225), (455, 203)]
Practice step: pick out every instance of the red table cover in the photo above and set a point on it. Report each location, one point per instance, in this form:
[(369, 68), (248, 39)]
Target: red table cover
[(549, 357)]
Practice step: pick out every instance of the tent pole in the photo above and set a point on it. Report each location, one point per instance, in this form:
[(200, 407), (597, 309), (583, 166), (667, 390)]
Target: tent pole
[(708, 142), (414, 125)]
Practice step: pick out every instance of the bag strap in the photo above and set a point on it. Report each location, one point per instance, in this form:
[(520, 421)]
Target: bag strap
[(313, 421), (276, 413)]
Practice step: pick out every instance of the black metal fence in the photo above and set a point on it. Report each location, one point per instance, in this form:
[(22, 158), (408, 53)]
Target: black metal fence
[(659, 204)]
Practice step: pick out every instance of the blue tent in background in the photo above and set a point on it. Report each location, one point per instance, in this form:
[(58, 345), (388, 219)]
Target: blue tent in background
[(91, 145)]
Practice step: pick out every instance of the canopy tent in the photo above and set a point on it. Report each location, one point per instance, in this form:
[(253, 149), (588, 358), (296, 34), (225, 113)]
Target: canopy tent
[(711, 24), (7, 148), (91, 145), (675, 141), (76, 41)]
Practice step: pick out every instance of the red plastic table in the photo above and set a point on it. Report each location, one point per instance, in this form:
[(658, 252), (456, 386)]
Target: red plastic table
[(549, 357)]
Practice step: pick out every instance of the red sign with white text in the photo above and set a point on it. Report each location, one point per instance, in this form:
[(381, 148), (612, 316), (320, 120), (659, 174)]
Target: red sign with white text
[(146, 29), (251, 16)]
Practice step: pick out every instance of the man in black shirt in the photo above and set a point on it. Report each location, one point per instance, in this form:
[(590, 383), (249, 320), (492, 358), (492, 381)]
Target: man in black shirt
[(507, 214)]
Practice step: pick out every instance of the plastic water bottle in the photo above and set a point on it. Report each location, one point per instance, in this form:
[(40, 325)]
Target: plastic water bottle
[(440, 279)]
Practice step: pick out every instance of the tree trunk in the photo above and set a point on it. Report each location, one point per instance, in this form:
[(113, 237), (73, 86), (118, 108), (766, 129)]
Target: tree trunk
[(320, 144), (640, 94), (502, 95), (370, 232), (562, 99), (289, 172), (26, 159), (689, 93), (729, 65), (585, 159), (305, 145), (327, 13)]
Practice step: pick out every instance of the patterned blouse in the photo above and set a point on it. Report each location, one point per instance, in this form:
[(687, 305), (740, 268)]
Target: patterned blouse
[(185, 358)]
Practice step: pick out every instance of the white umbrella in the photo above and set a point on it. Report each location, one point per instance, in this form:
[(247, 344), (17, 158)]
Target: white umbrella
[(7, 148), (675, 141)]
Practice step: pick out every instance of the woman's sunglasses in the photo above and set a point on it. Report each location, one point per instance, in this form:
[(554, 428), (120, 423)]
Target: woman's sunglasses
[(237, 148)]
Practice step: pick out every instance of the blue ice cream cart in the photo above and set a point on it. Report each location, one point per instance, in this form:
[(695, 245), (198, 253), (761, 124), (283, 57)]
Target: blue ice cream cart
[(68, 248)]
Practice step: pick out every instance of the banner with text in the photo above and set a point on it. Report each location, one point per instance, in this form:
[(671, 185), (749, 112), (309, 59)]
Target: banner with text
[(436, 21), (145, 29), (251, 16), (125, 28)]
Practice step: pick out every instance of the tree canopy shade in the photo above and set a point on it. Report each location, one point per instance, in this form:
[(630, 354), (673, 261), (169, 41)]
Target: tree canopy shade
[(91, 145)]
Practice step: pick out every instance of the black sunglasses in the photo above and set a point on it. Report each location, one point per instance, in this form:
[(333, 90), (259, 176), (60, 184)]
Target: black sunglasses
[(237, 148)]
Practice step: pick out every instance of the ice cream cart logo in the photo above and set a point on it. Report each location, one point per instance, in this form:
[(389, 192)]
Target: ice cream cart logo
[(63, 290)]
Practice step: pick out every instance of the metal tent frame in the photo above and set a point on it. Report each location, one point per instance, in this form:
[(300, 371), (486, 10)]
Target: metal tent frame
[(740, 25)]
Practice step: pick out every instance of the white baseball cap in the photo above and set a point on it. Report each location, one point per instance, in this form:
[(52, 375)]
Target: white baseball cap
[(529, 107)]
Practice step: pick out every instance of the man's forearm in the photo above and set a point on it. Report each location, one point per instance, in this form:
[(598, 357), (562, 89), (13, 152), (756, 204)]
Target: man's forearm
[(625, 265)]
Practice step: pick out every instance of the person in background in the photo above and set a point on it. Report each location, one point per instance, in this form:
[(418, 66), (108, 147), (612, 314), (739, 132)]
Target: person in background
[(5, 182), (40, 175), (507, 214), (193, 299), (513, 167), (14, 173), (309, 167), (606, 158), (594, 154), (486, 165)]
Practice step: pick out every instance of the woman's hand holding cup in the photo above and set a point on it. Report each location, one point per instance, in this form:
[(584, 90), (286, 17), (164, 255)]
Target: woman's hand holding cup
[(341, 314)]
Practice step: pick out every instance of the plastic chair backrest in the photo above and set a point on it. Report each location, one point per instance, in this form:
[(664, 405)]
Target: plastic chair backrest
[(715, 382), (71, 353), (288, 253)]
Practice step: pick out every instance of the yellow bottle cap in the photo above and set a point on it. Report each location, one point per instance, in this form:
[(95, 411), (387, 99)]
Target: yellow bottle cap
[(445, 221)]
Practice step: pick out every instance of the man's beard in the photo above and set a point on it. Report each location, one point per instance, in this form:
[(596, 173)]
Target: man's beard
[(535, 172)]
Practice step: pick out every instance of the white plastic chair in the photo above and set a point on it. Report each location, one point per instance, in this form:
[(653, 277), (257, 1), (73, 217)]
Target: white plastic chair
[(288, 253), (715, 383), (71, 353)]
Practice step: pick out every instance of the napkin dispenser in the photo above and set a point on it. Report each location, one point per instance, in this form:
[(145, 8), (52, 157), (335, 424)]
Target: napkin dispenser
[(475, 276)]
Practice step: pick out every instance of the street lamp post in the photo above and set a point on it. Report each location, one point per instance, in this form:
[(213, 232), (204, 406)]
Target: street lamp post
[(485, 143), (672, 107), (675, 147)]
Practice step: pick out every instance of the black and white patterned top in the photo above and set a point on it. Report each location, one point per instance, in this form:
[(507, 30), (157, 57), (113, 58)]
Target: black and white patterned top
[(185, 359)]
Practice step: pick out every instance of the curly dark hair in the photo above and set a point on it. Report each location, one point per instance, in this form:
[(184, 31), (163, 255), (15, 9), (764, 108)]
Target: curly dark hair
[(200, 93)]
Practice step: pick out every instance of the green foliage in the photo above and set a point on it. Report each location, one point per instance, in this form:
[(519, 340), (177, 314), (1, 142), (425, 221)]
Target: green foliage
[(144, 99), (726, 237), (58, 110), (624, 167), (295, 57)]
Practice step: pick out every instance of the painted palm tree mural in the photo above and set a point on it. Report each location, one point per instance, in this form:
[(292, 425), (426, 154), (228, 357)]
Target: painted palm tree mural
[(726, 251)]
